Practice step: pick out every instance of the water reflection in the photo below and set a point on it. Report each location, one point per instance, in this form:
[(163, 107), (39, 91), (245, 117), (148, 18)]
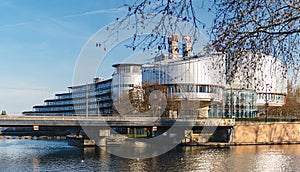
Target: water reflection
[(271, 161), (205, 159), (264, 157), (35, 164), (58, 156)]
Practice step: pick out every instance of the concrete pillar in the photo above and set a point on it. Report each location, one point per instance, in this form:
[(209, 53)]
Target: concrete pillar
[(104, 132), (128, 131), (203, 112), (102, 141), (134, 132)]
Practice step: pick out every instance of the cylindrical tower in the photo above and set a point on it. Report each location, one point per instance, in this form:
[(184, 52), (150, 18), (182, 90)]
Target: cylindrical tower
[(199, 80), (173, 45), (187, 47), (270, 81), (125, 77)]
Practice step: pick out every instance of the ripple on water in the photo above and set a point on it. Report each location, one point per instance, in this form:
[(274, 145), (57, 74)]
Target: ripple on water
[(41, 155)]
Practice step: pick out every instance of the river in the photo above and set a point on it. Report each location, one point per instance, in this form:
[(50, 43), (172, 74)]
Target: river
[(45, 155)]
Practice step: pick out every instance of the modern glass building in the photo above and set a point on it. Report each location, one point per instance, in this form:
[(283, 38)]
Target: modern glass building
[(87, 99), (240, 103), (62, 104)]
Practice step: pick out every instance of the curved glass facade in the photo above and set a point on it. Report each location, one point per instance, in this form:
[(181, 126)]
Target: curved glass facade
[(240, 103)]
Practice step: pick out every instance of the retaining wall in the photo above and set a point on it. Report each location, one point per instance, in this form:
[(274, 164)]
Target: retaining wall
[(265, 133)]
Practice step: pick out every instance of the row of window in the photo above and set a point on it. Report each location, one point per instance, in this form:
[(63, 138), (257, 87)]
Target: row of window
[(53, 109), (76, 95), (83, 107), (235, 99), (270, 96), (104, 86), (92, 89), (240, 96), (234, 107), (105, 111), (64, 96), (104, 98), (123, 85), (54, 103), (90, 100), (91, 94), (71, 113), (101, 92), (93, 106), (89, 87), (105, 105), (75, 107), (96, 112), (193, 88), (129, 69), (77, 101)]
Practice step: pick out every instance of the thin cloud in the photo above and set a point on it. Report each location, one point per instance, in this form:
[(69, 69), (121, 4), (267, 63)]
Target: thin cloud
[(112, 10), (8, 26)]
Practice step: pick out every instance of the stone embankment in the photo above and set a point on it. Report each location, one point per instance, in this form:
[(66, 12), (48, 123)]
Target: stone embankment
[(265, 133), (250, 133)]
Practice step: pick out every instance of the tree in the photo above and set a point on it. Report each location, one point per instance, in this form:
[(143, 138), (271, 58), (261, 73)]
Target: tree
[(169, 14), (292, 106), (240, 28), (259, 26)]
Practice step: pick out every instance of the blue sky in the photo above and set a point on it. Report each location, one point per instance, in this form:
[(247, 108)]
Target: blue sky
[(40, 41)]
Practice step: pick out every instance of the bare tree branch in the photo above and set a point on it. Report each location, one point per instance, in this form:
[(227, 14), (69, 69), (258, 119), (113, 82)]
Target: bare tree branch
[(259, 26)]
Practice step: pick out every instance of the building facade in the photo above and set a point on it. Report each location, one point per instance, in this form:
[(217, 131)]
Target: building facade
[(87, 99), (259, 81), (62, 104), (261, 77)]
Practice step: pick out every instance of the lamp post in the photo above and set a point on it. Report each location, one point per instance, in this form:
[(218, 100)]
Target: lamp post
[(86, 101), (231, 104), (266, 103), (266, 111), (159, 115)]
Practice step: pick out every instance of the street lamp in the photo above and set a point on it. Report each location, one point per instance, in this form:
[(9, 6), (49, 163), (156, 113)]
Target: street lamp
[(159, 115), (266, 103), (266, 111)]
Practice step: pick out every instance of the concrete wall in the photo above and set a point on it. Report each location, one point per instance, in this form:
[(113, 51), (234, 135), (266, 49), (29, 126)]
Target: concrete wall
[(263, 133)]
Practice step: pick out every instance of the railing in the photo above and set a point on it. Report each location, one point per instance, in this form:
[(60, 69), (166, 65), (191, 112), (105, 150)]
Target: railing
[(117, 120)]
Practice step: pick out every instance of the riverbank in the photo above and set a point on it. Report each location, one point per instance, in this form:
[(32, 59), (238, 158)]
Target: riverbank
[(32, 137), (248, 133), (242, 133), (221, 144), (265, 133)]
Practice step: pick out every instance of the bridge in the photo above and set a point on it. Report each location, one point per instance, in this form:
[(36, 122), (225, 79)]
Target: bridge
[(100, 127), (117, 121)]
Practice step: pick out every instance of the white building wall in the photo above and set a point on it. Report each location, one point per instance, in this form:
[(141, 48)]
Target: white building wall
[(200, 71), (262, 73), (203, 70), (271, 82), (125, 77)]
